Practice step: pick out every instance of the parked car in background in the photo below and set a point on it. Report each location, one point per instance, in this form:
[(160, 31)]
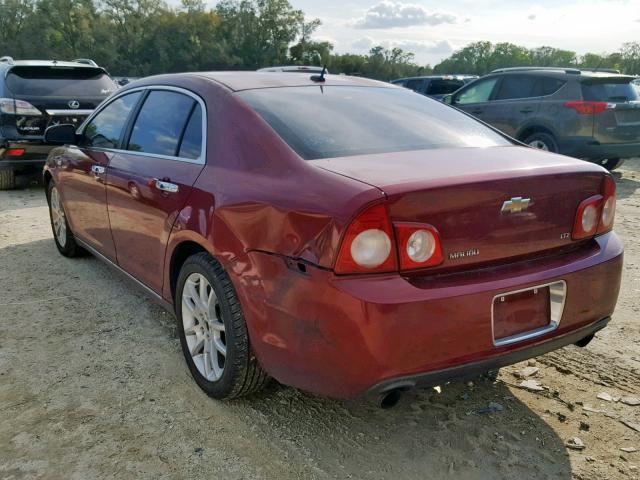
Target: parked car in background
[(384, 242), (592, 115), (294, 69), (35, 94), (435, 86)]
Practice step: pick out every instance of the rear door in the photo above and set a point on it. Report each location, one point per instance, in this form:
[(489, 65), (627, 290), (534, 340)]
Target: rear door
[(151, 178), (55, 95), (514, 103), (619, 122), (475, 97)]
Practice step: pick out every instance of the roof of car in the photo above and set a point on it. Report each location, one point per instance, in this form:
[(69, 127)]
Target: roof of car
[(237, 81), (559, 71), (451, 76), (45, 63)]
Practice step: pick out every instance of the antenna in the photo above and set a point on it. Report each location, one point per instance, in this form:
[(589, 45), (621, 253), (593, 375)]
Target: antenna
[(319, 78)]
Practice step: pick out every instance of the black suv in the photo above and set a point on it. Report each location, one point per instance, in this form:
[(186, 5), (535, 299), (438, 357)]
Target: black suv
[(35, 95), (435, 86), (593, 115)]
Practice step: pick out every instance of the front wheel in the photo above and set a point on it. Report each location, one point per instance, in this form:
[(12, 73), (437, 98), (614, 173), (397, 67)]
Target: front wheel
[(62, 235), (213, 332), (7, 179), (542, 141)]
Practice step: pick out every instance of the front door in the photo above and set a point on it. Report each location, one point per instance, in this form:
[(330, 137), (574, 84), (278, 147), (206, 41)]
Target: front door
[(475, 98), (83, 173), (148, 184)]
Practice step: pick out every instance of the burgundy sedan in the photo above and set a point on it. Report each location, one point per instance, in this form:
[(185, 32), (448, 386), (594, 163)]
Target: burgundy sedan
[(341, 235)]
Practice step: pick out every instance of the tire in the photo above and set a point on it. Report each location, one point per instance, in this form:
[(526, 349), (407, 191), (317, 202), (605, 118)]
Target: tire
[(62, 235), (611, 163), (542, 141), (213, 320), (7, 179)]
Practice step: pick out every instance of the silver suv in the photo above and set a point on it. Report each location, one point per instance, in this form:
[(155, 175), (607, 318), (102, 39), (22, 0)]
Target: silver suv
[(593, 115)]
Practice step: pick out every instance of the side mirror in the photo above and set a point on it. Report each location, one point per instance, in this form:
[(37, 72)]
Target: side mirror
[(64, 134), (448, 99)]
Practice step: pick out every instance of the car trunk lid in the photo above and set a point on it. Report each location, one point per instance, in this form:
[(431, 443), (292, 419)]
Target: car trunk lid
[(488, 205)]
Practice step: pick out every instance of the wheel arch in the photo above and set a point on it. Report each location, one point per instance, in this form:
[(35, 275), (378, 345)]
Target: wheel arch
[(532, 128), (179, 254)]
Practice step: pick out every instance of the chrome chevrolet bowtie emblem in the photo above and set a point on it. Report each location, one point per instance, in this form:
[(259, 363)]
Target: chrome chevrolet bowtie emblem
[(515, 205), (74, 104)]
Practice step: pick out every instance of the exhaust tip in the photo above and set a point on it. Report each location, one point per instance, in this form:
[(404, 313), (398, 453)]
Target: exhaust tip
[(390, 399)]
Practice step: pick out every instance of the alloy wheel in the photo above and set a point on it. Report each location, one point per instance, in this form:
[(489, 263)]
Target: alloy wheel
[(58, 218), (539, 144), (204, 327)]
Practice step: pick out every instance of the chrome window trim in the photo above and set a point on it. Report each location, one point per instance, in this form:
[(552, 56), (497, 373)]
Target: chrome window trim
[(69, 112), (557, 297), (201, 160)]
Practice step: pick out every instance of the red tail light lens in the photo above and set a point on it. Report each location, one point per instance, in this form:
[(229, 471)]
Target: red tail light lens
[(14, 152), (419, 245), (368, 244), (587, 108), (608, 205)]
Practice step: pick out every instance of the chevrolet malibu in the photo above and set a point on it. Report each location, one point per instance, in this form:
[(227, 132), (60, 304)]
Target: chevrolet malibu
[(341, 235)]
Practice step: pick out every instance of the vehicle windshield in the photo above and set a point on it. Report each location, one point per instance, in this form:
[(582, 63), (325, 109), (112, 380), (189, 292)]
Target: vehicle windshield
[(337, 121), (59, 81), (610, 91)]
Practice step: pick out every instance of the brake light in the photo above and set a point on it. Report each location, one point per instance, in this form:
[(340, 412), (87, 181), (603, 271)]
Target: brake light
[(608, 205), (419, 245), (368, 244), (14, 152), (584, 107), (17, 107)]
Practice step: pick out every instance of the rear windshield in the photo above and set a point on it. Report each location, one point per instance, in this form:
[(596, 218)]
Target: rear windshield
[(609, 91), (59, 81), (337, 121), (443, 87)]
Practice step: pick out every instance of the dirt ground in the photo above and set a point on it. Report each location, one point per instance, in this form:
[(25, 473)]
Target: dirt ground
[(93, 385)]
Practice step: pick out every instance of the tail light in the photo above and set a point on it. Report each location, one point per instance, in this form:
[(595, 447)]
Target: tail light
[(584, 107), (368, 244), (418, 245), (595, 214), (14, 152), (17, 107), (372, 245)]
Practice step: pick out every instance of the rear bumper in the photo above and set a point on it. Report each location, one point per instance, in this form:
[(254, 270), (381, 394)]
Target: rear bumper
[(348, 336), (33, 159), (587, 148)]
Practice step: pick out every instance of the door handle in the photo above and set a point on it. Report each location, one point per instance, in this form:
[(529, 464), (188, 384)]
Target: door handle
[(97, 169), (166, 186), (477, 111)]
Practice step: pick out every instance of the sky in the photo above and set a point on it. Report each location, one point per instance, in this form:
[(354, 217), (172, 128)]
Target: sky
[(434, 29)]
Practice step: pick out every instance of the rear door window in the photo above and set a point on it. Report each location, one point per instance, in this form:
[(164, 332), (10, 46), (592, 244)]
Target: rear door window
[(105, 129), (477, 93), (547, 86), (59, 82), (160, 123), (415, 84), (443, 87), (191, 144), (609, 91), (516, 86)]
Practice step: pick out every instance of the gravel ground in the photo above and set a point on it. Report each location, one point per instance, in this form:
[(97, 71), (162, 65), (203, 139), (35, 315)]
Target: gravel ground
[(93, 385)]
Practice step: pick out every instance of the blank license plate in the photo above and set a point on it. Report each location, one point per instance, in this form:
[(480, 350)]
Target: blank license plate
[(521, 312)]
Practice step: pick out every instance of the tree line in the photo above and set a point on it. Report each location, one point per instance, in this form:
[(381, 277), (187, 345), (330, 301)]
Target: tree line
[(144, 37)]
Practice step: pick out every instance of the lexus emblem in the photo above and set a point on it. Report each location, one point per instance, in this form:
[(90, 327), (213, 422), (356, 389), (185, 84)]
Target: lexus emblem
[(74, 104), (515, 205)]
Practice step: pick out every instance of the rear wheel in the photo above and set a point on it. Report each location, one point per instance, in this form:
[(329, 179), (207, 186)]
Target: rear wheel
[(62, 235), (7, 179), (611, 163), (213, 332), (543, 141)]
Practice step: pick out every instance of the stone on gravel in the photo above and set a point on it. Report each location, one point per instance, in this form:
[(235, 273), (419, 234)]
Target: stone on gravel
[(532, 385), (575, 443), (605, 396), (629, 449), (631, 425), (633, 401), (527, 372)]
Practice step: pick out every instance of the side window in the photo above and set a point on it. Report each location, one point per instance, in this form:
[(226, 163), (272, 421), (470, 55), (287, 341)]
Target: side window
[(191, 144), (516, 86), (443, 87), (547, 86), (477, 93), (415, 84), (160, 123), (106, 127)]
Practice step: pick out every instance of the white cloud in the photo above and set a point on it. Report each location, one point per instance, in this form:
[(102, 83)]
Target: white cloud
[(390, 14), (364, 43)]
